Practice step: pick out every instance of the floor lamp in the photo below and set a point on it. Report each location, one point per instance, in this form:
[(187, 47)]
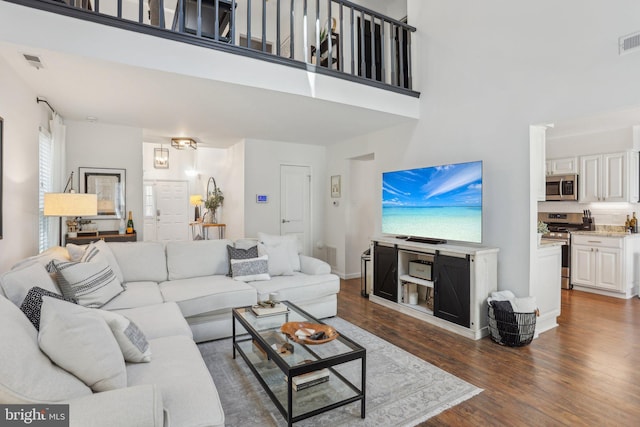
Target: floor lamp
[(69, 205)]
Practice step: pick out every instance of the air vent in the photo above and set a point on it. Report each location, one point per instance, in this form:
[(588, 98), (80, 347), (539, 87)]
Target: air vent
[(33, 60), (629, 43)]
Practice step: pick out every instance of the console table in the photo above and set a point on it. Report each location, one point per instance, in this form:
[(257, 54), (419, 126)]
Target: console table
[(107, 236), (453, 298), (204, 227)]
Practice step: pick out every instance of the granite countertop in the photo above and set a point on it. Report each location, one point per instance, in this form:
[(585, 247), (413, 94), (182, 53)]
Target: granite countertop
[(607, 233), (545, 243)]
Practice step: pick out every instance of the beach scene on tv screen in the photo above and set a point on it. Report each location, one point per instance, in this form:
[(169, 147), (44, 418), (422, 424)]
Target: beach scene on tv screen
[(443, 202)]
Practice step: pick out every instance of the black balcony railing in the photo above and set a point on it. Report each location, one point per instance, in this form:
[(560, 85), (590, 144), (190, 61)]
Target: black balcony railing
[(354, 42)]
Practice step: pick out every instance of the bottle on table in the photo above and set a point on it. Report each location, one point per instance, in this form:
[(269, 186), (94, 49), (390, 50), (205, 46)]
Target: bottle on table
[(130, 228), (627, 224), (634, 223)]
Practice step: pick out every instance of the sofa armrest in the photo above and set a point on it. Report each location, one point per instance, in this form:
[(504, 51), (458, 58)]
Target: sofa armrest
[(313, 266), (137, 405)]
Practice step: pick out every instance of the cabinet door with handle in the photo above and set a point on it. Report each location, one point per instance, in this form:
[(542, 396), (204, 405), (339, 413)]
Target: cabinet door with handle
[(452, 290), (385, 272)]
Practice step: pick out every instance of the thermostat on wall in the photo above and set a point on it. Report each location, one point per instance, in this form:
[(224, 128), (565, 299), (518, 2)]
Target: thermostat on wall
[(262, 198)]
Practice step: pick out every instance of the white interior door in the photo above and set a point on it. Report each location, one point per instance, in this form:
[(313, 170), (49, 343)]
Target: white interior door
[(295, 204), (166, 210)]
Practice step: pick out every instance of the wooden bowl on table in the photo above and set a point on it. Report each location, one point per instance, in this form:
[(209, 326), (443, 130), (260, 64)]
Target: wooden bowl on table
[(290, 329)]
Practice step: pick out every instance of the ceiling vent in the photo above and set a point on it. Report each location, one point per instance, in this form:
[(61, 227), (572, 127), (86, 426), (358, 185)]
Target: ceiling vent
[(33, 60), (629, 43)]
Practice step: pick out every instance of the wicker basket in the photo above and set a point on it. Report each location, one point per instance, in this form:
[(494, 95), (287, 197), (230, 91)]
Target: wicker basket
[(511, 329)]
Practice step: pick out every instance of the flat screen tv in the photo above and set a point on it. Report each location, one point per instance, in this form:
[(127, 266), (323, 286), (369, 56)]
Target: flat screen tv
[(436, 203)]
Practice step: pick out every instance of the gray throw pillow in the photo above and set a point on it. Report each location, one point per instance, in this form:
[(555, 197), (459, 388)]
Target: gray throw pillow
[(236, 253)]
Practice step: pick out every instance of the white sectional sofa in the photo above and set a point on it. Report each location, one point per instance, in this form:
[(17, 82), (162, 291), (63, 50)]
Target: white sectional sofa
[(177, 293)]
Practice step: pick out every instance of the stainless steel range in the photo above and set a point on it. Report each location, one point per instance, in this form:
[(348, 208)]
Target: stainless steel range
[(560, 227)]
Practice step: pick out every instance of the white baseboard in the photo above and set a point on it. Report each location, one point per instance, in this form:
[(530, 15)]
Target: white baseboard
[(352, 276)]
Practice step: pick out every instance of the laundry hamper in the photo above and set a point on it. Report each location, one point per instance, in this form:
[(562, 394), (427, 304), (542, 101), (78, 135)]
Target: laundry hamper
[(510, 328)]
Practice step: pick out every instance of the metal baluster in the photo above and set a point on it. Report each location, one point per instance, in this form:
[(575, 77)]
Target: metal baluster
[(353, 43), (383, 77), (292, 29), (401, 56), (318, 33), (199, 21), (216, 25), (361, 49), (409, 74), (341, 60), (96, 4), (305, 33), (264, 25), (372, 31), (120, 9), (140, 10), (329, 37), (233, 21), (161, 13), (181, 16), (278, 27), (248, 23), (393, 62)]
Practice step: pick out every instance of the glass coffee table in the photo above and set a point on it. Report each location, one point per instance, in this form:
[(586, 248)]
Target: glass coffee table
[(277, 362)]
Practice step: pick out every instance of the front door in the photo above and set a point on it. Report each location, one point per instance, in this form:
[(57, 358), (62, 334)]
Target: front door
[(166, 210), (295, 204)]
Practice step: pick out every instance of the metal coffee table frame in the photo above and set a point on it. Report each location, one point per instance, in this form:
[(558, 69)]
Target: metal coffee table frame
[(246, 319)]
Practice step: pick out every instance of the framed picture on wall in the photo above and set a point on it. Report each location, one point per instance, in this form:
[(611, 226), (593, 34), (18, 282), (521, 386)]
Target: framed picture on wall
[(335, 186), (1, 174), (109, 185)]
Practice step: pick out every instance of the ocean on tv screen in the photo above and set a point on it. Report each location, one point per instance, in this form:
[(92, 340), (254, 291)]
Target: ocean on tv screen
[(442, 202)]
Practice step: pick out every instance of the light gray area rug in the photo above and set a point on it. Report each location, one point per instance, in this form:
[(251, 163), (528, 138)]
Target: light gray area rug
[(402, 389)]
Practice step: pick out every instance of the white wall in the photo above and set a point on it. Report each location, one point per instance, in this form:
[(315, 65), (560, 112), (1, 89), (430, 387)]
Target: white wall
[(487, 71), (609, 141), (22, 116), (262, 176), (100, 145)]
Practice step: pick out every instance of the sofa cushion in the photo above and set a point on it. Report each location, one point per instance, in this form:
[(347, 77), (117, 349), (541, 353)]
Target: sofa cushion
[(131, 340), (206, 294), (278, 259), (92, 284), (27, 375), (299, 287), (99, 250), (137, 294), (251, 269), (78, 340), (240, 253), (179, 372), (32, 304), (44, 258), (16, 283), (289, 242), (187, 259), (140, 261), (160, 320)]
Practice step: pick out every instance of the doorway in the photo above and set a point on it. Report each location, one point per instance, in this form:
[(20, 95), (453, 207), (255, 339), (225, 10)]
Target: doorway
[(295, 204), (166, 210)]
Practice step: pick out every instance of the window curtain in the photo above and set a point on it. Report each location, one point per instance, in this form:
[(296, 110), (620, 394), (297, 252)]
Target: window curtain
[(59, 173)]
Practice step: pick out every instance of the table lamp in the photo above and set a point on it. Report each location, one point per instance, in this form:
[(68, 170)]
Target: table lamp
[(196, 200)]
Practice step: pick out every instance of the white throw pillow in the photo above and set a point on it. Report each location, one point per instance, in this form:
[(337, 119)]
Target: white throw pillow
[(99, 250), (278, 259), (78, 340), (250, 269), (76, 251), (290, 243), (92, 284), (132, 342), (16, 283)]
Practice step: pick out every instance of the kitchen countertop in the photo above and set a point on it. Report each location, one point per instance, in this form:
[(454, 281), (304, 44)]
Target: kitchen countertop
[(607, 234), (545, 243)]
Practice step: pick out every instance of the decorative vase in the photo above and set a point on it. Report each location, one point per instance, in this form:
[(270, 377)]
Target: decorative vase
[(539, 238), (210, 217)]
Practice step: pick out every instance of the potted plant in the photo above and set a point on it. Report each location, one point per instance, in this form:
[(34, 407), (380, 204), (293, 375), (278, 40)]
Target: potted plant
[(212, 203), (542, 229)]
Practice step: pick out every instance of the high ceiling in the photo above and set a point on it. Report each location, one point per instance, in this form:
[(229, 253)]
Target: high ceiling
[(165, 104), (607, 121)]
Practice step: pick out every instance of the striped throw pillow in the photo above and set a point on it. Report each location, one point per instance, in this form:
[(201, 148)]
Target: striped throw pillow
[(92, 284)]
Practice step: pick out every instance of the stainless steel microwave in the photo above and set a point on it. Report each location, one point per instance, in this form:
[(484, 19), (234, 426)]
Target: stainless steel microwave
[(562, 187)]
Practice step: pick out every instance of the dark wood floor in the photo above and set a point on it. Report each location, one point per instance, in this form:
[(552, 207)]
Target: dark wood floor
[(584, 372)]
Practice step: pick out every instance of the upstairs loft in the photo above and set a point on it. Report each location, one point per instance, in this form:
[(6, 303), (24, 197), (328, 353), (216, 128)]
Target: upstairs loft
[(279, 63)]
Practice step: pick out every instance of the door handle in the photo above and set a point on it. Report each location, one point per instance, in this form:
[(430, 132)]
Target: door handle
[(285, 221)]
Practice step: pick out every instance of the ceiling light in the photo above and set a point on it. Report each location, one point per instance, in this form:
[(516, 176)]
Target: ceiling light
[(182, 143), (33, 60), (92, 119)]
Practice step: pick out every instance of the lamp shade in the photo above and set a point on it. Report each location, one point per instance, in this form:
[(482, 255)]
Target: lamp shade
[(195, 199), (70, 204)]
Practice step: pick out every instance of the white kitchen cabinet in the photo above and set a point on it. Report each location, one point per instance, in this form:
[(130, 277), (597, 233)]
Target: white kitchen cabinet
[(606, 178), (566, 166), (604, 265)]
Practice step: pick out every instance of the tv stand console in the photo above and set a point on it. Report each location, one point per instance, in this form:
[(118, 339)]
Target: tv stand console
[(451, 292)]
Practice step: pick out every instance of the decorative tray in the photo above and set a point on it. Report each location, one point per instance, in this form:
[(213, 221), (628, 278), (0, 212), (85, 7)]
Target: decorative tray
[(304, 332)]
